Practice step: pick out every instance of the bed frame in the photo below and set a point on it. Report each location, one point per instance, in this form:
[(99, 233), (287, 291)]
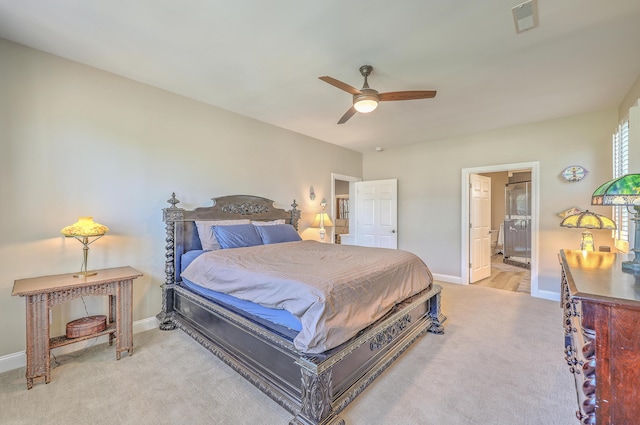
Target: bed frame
[(313, 388)]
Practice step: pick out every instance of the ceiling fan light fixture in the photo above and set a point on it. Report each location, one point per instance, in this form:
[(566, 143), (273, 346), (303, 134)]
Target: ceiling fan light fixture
[(366, 99), (365, 103)]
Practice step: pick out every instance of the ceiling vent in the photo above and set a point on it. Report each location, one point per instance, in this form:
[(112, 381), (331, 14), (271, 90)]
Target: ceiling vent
[(525, 16)]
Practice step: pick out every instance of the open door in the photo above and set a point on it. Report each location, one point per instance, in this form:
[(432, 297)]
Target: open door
[(377, 213), (479, 227)]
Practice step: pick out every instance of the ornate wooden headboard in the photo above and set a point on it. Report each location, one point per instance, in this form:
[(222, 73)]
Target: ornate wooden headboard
[(182, 234)]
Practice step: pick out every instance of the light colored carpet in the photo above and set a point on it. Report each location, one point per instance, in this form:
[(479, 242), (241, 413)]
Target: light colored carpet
[(499, 362)]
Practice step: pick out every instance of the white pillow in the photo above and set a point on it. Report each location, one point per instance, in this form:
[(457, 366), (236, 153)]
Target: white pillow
[(268, 223), (205, 231)]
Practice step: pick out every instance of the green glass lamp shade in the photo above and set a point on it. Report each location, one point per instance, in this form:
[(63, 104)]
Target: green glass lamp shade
[(623, 190)]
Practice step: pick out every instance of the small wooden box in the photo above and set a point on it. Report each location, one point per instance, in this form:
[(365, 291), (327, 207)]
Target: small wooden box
[(86, 326)]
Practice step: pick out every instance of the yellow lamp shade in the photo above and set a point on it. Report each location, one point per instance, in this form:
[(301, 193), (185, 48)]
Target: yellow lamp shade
[(322, 220), (82, 230), (588, 220), (85, 226)]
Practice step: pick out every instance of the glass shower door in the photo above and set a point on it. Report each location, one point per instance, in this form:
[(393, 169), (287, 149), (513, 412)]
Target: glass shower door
[(517, 223)]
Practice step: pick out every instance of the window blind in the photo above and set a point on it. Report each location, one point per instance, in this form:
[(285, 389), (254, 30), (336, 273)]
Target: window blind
[(620, 141)]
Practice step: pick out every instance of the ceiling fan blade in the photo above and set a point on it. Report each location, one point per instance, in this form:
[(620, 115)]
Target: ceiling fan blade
[(339, 84), (407, 95), (347, 115)]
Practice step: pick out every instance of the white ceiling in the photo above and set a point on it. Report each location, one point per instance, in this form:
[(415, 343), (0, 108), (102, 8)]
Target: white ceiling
[(262, 59)]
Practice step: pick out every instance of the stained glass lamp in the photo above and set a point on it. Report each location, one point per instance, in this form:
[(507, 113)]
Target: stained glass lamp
[(623, 191), (588, 220), (82, 230)]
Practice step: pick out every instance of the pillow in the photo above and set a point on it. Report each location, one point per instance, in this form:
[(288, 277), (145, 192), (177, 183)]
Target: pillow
[(268, 223), (237, 236), (205, 232), (188, 257), (278, 233)]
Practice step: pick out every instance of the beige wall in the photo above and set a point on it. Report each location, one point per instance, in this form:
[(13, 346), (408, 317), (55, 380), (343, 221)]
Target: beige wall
[(78, 141), (630, 99), (429, 184)]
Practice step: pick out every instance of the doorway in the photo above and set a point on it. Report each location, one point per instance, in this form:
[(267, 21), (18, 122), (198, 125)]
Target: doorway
[(510, 223), (343, 194), (465, 244)]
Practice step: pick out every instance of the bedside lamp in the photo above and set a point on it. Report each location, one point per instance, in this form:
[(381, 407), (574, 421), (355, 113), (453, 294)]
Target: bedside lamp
[(588, 220), (322, 220), (623, 191), (82, 230)]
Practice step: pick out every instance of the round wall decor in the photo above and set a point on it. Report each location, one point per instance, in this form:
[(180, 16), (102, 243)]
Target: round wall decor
[(574, 173)]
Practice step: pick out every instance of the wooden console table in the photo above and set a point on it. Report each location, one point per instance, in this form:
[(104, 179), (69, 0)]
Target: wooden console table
[(43, 292), (602, 338)]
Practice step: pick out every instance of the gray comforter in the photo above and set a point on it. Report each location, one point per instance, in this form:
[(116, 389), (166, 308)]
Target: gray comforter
[(334, 290)]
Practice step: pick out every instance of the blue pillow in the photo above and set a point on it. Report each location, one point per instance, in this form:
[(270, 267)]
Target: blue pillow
[(237, 236), (278, 233), (188, 257)]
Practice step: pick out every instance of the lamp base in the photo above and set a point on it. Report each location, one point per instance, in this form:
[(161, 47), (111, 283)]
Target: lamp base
[(85, 274), (631, 267)]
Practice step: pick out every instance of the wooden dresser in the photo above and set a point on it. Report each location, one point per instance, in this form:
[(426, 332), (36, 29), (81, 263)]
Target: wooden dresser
[(602, 336)]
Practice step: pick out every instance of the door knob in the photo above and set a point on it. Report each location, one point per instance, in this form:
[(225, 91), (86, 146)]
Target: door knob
[(393, 231)]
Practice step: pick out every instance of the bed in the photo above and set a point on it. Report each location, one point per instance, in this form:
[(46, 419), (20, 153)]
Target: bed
[(314, 378)]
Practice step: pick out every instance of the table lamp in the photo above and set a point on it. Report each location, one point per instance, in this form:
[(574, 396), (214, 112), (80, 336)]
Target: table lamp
[(623, 191), (82, 230), (322, 220), (588, 220)]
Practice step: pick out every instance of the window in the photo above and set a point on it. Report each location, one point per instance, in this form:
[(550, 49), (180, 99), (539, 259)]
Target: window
[(620, 168)]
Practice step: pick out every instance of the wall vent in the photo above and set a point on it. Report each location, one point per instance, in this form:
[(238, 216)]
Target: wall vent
[(525, 16)]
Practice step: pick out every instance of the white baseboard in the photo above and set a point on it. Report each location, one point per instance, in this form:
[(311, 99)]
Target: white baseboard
[(447, 278), (12, 361), (18, 360), (549, 295)]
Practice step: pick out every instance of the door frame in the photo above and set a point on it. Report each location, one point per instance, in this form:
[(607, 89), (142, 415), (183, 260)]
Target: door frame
[(534, 166), (352, 201)]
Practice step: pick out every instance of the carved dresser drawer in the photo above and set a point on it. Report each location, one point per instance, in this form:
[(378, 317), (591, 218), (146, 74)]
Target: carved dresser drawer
[(601, 320)]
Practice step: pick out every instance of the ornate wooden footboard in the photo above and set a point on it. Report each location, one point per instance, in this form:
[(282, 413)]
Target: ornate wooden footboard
[(314, 388)]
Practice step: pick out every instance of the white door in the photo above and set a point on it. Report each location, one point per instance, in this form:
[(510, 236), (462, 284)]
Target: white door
[(377, 213), (480, 227)]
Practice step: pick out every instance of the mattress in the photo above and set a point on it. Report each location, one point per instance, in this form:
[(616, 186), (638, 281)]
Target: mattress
[(333, 290), (276, 320)]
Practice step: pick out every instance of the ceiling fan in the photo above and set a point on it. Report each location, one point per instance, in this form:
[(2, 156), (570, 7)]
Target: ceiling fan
[(366, 99)]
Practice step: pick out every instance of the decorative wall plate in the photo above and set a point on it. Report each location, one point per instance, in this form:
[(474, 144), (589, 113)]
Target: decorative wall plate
[(574, 173)]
